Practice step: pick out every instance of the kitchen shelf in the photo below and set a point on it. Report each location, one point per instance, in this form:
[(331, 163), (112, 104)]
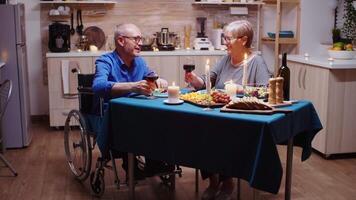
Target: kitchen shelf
[(282, 1), (269, 40), (278, 41), (227, 3), (77, 2)]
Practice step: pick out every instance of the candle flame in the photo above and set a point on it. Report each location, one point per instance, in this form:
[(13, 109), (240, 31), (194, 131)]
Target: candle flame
[(207, 61), (173, 83), (245, 56)]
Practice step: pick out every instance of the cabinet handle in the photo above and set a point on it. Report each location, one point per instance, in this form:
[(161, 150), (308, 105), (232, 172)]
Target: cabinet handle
[(305, 73), (300, 69), (70, 96)]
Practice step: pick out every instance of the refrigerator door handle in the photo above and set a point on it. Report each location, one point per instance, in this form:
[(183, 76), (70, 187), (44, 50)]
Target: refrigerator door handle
[(21, 44)]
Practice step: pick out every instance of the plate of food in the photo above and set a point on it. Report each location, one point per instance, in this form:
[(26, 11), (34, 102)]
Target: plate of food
[(258, 92), (160, 92), (251, 105), (215, 100)]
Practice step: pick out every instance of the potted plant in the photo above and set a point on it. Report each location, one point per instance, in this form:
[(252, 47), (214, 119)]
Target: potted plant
[(349, 27)]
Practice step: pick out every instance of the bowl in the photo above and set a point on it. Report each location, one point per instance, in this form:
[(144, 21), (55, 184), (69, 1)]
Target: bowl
[(147, 41), (342, 55)]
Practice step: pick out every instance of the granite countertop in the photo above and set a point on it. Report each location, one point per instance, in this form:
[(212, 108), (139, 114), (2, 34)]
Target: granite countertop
[(143, 53), (323, 61)]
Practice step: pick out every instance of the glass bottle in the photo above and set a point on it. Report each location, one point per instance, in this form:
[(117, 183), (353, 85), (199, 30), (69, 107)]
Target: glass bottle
[(285, 73)]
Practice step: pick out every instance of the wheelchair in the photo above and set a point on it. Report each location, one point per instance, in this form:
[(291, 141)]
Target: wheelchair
[(80, 141)]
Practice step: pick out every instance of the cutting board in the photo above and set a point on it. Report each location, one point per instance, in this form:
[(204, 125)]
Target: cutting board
[(261, 112)]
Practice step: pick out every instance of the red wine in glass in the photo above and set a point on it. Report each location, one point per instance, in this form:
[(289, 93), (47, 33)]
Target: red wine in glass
[(189, 67), (151, 77)]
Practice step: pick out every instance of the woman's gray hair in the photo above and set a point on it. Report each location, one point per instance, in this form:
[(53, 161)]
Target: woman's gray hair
[(239, 29)]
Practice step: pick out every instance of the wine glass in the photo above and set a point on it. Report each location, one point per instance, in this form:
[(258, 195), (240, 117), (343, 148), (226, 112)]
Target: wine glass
[(188, 67), (151, 79)]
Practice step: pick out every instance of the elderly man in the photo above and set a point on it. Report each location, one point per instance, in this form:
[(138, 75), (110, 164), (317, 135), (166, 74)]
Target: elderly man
[(121, 74)]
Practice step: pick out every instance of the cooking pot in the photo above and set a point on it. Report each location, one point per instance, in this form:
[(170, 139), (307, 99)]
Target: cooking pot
[(165, 37)]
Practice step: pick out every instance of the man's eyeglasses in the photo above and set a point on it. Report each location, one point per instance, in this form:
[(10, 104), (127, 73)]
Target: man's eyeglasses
[(136, 39)]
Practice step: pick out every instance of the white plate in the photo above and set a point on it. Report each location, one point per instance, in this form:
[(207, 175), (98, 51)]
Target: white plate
[(173, 103), (162, 95)]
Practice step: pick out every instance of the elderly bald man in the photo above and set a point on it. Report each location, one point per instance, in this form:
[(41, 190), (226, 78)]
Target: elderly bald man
[(121, 74)]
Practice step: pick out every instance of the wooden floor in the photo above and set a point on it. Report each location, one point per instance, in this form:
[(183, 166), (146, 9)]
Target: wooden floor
[(43, 174)]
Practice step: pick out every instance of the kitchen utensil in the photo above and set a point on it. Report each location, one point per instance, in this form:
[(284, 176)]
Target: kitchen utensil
[(165, 40), (83, 43), (95, 36), (79, 22), (72, 31)]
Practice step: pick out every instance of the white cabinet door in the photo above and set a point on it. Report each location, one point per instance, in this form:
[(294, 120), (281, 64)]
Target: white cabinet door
[(168, 69), (315, 83), (296, 72), (57, 100), (153, 62)]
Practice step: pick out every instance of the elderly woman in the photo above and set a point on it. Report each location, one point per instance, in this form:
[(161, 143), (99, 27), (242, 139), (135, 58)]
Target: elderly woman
[(238, 36)]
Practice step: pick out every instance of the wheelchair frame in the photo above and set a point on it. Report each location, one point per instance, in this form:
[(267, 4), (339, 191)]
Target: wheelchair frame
[(85, 142)]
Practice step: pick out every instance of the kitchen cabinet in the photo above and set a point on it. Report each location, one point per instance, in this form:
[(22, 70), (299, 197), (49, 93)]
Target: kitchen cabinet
[(332, 93), (60, 104), (165, 66)]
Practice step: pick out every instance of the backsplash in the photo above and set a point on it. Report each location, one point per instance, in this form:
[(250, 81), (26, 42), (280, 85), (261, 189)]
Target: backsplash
[(149, 16)]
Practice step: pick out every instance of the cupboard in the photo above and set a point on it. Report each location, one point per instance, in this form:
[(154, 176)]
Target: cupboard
[(332, 93)]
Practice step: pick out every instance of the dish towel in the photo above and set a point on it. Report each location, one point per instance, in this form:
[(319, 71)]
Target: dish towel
[(69, 77)]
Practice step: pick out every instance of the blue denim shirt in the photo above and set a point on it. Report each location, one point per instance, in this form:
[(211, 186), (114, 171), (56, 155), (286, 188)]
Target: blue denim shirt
[(111, 69)]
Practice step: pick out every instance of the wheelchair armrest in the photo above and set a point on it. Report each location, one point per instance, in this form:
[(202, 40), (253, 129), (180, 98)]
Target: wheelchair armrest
[(85, 90)]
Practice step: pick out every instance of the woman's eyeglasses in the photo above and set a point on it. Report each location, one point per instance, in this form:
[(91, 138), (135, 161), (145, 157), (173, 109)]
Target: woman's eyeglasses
[(228, 39), (136, 39)]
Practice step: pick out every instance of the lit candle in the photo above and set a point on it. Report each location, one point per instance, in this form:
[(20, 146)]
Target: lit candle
[(173, 93), (230, 89), (207, 78), (244, 74)]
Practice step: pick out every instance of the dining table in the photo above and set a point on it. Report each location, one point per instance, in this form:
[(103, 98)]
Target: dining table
[(241, 145)]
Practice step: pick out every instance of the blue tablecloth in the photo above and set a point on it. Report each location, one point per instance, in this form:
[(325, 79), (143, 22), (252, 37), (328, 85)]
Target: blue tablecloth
[(233, 144)]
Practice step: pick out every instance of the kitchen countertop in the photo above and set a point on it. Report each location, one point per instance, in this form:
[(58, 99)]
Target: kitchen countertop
[(143, 53), (323, 62)]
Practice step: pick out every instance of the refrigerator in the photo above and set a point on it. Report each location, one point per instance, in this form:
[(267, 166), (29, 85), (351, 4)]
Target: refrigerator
[(16, 120)]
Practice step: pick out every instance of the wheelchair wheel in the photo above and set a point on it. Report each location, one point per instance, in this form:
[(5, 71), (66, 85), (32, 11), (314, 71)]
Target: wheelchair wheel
[(97, 182), (77, 145), (169, 181)]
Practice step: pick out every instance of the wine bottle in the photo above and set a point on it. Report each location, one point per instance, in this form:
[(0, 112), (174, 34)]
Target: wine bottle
[(285, 73)]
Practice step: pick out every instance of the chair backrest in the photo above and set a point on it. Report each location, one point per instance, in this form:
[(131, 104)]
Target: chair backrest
[(86, 94), (5, 93)]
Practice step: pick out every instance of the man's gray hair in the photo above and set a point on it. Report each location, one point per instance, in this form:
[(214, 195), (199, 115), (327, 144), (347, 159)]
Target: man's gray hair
[(123, 30), (239, 29)]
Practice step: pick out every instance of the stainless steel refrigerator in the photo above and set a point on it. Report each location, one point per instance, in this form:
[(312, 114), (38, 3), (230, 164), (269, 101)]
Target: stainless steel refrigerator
[(16, 121)]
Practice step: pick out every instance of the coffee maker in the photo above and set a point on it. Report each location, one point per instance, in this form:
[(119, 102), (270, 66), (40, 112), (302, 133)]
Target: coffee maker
[(202, 42), (59, 37)]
